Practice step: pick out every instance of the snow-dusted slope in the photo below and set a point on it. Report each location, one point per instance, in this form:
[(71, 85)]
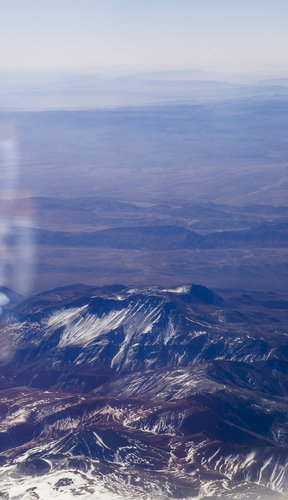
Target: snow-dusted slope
[(145, 394)]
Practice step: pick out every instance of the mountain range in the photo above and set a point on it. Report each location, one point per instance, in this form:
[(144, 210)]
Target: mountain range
[(148, 392)]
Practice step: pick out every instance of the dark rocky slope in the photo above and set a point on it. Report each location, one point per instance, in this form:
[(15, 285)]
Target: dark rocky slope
[(145, 393)]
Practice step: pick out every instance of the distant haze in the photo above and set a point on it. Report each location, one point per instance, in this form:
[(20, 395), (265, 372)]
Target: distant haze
[(35, 91), (91, 35)]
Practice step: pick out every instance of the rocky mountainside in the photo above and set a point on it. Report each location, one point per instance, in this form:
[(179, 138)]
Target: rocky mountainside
[(144, 393)]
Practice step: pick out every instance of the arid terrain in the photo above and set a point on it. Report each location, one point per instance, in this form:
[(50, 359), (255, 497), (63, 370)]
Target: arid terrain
[(152, 195)]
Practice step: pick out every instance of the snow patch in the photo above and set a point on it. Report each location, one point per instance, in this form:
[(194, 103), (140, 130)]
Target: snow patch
[(180, 289)]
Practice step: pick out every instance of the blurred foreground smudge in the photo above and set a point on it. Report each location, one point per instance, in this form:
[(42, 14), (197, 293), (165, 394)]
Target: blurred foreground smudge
[(16, 263)]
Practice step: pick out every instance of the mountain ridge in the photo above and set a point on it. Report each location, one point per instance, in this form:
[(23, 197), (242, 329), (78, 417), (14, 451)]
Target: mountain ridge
[(184, 388), (268, 235)]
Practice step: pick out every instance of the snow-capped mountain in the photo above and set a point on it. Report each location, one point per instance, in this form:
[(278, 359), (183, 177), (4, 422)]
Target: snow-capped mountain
[(144, 393)]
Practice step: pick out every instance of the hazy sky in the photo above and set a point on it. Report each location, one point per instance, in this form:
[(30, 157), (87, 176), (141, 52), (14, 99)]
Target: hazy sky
[(137, 35)]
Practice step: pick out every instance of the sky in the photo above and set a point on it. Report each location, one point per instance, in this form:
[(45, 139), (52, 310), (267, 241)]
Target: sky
[(144, 35)]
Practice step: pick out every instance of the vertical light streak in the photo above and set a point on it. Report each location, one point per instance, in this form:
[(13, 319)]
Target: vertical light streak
[(16, 239)]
